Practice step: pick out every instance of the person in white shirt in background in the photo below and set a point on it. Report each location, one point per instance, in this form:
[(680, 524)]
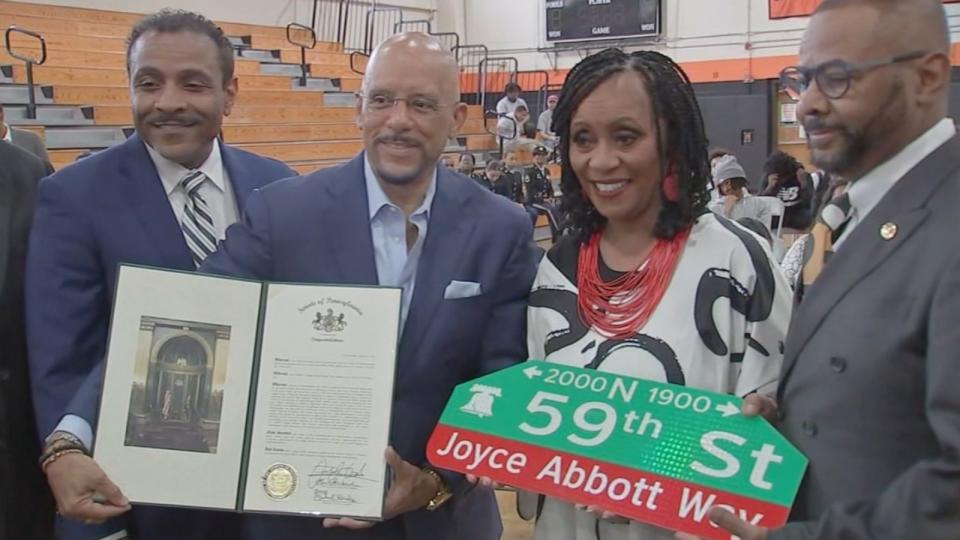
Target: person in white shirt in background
[(736, 202), (510, 129), (509, 103)]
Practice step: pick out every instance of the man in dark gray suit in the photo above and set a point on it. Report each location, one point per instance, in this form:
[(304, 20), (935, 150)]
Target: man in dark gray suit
[(26, 507), (870, 391), (26, 140)]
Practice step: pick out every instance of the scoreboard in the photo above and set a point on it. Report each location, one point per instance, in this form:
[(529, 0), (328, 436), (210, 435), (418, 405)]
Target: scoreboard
[(582, 20)]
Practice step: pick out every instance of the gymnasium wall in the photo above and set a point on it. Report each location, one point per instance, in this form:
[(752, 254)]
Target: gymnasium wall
[(268, 12)]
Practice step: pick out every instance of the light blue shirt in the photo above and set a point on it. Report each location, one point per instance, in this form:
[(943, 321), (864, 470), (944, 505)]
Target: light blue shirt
[(396, 267)]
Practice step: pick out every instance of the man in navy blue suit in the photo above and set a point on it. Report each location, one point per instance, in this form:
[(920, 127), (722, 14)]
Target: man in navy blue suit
[(162, 198), (463, 256)]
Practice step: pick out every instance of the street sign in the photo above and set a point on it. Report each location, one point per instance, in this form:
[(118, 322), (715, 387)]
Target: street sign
[(657, 453)]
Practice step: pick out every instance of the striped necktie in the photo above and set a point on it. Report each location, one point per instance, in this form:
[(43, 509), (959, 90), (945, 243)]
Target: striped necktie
[(197, 223)]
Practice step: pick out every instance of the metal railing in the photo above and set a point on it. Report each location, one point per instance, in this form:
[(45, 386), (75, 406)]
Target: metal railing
[(29, 62), (379, 27), (355, 62), (450, 40), (329, 20), (305, 38), (470, 58), (493, 114), (496, 71), (419, 25)]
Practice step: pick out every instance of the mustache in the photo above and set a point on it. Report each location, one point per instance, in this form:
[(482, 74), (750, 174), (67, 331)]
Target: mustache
[(817, 123), (184, 119), (401, 139)]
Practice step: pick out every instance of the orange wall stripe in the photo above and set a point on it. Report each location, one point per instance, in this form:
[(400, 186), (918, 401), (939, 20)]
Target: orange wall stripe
[(780, 9), (725, 70)]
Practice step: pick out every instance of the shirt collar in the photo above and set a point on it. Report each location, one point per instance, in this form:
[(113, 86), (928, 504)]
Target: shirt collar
[(866, 192), (377, 198), (171, 173), (8, 135)]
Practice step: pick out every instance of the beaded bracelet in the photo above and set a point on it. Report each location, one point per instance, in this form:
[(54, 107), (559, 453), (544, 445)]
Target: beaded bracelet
[(47, 459)]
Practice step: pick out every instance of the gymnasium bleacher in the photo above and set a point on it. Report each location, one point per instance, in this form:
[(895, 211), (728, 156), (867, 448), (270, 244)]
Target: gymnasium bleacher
[(82, 93)]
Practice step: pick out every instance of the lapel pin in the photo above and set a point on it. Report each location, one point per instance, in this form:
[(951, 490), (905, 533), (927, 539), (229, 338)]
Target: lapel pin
[(888, 230)]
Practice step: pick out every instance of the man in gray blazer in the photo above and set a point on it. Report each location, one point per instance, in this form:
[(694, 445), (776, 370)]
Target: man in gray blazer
[(24, 139), (870, 391)]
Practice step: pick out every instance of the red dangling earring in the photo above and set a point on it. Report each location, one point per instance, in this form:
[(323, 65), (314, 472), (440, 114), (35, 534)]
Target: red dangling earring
[(671, 185)]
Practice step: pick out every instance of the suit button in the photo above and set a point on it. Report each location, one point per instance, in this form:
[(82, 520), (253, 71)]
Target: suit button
[(4, 375), (809, 428), (838, 364)]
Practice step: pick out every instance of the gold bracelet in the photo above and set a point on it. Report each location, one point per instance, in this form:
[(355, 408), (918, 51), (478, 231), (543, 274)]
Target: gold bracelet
[(57, 455), (443, 493)]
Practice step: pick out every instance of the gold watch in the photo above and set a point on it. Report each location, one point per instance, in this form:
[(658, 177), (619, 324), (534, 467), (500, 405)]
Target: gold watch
[(443, 493)]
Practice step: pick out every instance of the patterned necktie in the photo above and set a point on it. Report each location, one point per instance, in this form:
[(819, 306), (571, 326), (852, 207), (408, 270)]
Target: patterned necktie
[(836, 215), (197, 223), (834, 219)]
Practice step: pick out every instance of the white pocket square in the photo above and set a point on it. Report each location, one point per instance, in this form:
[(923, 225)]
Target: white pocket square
[(461, 289)]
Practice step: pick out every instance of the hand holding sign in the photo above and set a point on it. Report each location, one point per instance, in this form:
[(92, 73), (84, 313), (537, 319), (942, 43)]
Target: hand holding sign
[(656, 453), (731, 523), (757, 405)]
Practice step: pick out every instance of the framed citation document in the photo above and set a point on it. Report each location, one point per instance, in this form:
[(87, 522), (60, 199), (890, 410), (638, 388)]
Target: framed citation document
[(231, 394)]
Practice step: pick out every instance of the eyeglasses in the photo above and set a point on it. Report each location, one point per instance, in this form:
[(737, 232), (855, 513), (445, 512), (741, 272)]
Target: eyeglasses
[(835, 77), (381, 103)]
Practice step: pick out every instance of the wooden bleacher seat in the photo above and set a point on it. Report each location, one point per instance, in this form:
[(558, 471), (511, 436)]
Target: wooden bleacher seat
[(86, 68), (306, 151), (119, 115), (483, 141), (118, 77), (281, 43), (80, 14), (290, 132), (288, 152), (64, 20), (291, 56), (57, 41), (120, 95)]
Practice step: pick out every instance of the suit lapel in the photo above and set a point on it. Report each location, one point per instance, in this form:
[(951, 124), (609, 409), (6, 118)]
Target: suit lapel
[(242, 179), (146, 198), (447, 236), (347, 223), (6, 220), (865, 250)]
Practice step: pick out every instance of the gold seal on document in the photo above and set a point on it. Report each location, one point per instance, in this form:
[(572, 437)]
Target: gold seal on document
[(280, 481)]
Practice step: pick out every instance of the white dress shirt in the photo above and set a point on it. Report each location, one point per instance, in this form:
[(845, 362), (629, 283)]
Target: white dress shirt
[(218, 194), (867, 191), (396, 266), (505, 106)]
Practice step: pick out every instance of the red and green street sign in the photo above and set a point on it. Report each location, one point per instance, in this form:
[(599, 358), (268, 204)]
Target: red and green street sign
[(653, 452)]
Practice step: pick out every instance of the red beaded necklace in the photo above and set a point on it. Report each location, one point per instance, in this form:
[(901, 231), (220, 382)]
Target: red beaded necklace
[(620, 308)]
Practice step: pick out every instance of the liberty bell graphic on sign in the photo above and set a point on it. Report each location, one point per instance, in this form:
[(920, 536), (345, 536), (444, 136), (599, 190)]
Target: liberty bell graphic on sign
[(481, 403)]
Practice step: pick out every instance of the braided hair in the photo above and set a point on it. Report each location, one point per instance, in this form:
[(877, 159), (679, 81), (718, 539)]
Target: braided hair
[(684, 144)]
